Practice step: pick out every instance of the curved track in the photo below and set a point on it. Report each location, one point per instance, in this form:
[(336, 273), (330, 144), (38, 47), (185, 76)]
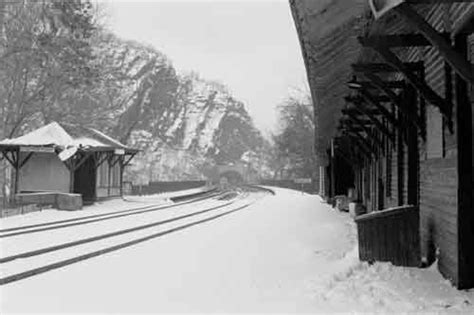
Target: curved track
[(40, 259), (33, 228)]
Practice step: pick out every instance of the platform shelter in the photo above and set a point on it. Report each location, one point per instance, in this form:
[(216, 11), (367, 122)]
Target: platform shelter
[(67, 158)]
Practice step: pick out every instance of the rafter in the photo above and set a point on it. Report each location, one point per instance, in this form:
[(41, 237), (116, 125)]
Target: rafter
[(363, 110), (363, 144), (354, 111), (380, 84), (399, 40), (459, 63), (384, 67), (426, 91), (364, 127)]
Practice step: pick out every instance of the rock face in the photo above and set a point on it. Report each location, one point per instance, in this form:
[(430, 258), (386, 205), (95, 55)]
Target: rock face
[(183, 123)]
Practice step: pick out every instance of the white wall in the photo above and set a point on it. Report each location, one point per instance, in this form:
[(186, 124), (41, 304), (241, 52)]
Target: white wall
[(45, 172)]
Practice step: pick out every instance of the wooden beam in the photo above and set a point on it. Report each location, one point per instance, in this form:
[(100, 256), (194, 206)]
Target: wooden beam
[(384, 67), (378, 82), (126, 162), (466, 25), (459, 63), (101, 160), (25, 160), (81, 161), (363, 110), (426, 91), (366, 122), (9, 159), (390, 84), (372, 100), (354, 111), (399, 40), (363, 144), (366, 129), (112, 161), (350, 126)]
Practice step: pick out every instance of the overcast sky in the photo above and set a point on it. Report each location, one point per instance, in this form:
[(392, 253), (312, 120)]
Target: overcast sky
[(249, 45)]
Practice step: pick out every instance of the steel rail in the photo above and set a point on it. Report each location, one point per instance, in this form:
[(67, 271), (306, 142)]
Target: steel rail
[(66, 262), (83, 222), (211, 195)]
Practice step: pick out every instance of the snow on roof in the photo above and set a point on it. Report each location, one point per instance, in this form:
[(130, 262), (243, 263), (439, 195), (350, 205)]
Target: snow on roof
[(65, 135), (51, 134)]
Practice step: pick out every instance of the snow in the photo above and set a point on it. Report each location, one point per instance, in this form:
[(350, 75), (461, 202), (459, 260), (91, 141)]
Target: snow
[(52, 133), (286, 253), (99, 207)]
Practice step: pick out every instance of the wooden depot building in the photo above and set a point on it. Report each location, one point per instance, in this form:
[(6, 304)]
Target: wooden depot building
[(392, 87), (64, 158)]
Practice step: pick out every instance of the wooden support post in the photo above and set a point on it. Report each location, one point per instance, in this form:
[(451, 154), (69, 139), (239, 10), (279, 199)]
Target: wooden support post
[(400, 167), (122, 166), (16, 160), (459, 63), (465, 218), (333, 170), (413, 150), (109, 172)]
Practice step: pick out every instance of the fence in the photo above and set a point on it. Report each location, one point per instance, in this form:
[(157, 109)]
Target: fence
[(390, 235), (290, 184), (161, 187)]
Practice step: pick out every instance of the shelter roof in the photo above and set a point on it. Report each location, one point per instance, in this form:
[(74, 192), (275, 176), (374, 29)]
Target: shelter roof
[(328, 33), (65, 136)]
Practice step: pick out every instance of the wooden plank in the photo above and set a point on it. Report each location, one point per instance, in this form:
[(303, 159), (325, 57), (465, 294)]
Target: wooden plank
[(400, 40), (459, 63), (384, 67)]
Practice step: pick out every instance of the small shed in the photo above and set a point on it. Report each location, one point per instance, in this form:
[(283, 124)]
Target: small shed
[(67, 158)]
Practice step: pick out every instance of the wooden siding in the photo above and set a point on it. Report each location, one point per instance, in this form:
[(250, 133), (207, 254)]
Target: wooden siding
[(438, 169), (390, 235), (438, 213)]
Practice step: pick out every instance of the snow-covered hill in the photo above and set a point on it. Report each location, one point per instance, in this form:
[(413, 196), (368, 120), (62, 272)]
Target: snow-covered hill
[(180, 122)]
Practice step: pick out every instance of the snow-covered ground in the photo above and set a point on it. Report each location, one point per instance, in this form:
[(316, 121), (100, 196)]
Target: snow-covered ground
[(99, 207), (286, 253)]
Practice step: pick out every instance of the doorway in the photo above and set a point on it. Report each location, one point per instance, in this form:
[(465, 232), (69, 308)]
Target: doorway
[(85, 181)]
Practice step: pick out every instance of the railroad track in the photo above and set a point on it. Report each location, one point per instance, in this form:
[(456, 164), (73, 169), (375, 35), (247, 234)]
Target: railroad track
[(21, 265), (52, 225)]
